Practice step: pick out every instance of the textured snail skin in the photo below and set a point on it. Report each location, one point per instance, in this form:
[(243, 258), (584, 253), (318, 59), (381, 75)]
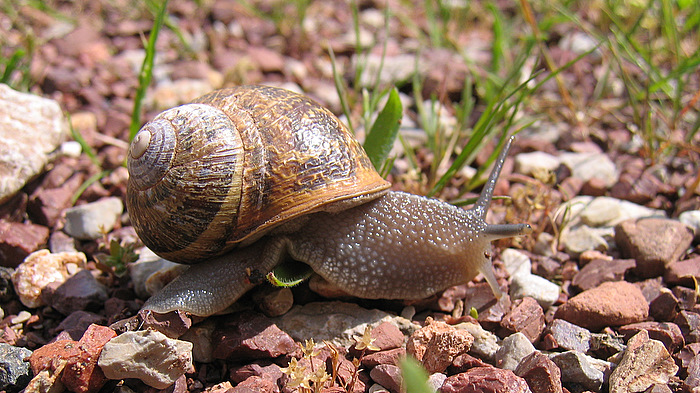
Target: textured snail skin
[(398, 246)]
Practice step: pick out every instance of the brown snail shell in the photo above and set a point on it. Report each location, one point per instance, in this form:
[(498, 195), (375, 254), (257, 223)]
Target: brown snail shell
[(227, 168)]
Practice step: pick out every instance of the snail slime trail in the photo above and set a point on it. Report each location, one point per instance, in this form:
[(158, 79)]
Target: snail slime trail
[(243, 177)]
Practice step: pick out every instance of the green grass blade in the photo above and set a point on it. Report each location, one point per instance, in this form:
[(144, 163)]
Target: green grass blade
[(146, 73), (415, 377), (382, 135)]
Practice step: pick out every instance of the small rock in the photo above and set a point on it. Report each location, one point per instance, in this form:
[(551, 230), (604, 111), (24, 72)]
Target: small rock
[(31, 127), (527, 163), (14, 370), (75, 363), (437, 344), (610, 304), (386, 336), (168, 94), (274, 302), (582, 238), (18, 240), (263, 368), (569, 336), (525, 317), (516, 263), (464, 362), (387, 375), (200, 335), (81, 291), (577, 369), (147, 355), (46, 205), (336, 322), (691, 218), (389, 356), (664, 307), (40, 269), (485, 380), (173, 324), (644, 363), (539, 288), (92, 220), (436, 380), (682, 272), (485, 343), (692, 381), (255, 384), (140, 271), (248, 335), (540, 373), (666, 332), (75, 324), (689, 323), (587, 166), (601, 212), (687, 297), (7, 291), (654, 243), (599, 271), (514, 348)]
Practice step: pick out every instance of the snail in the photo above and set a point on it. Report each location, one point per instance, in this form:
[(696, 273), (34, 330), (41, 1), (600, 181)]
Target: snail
[(244, 178)]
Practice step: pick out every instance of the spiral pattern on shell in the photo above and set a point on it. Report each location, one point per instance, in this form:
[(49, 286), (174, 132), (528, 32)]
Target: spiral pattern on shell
[(234, 164)]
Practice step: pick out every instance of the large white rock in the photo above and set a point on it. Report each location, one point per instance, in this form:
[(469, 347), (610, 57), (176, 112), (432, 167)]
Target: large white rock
[(31, 127), (147, 355)]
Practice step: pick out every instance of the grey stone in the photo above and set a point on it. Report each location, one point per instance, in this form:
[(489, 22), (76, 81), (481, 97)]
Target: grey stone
[(577, 368), (514, 348), (570, 337), (516, 263), (14, 371), (147, 264), (527, 163), (81, 291), (534, 286), (582, 238), (336, 322), (691, 218), (587, 166), (31, 127), (485, 343), (146, 355), (92, 220)]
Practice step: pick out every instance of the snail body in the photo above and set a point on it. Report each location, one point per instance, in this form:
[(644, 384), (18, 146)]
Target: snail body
[(244, 178)]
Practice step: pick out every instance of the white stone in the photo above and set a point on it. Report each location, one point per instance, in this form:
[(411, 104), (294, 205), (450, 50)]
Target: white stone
[(485, 343), (147, 355), (587, 166), (516, 262), (40, 269), (514, 348), (691, 218), (92, 220), (582, 238), (31, 127), (534, 286), (528, 163)]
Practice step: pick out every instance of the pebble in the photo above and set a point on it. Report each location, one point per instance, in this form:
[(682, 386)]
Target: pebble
[(336, 322), (386, 336), (599, 271), (7, 291), (664, 307), (654, 243), (81, 291), (173, 324), (540, 373), (14, 370), (513, 349), (691, 218), (570, 337), (75, 363), (169, 94), (261, 368), (40, 269), (485, 343), (387, 375), (539, 288), (527, 317), (485, 379), (18, 240), (692, 381), (609, 304), (389, 356), (200, 335), (682, 272), (587, 166), (644, 363), (667, 333), (92, 220), (31, 127), (250, 335), (577, 369), (146, 355), (75, 324), (273, 302), (437, 344), (595, 207), (394, 69), (689, 323), (582, 238), (516, 263), (147, 264), (528, 163)]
